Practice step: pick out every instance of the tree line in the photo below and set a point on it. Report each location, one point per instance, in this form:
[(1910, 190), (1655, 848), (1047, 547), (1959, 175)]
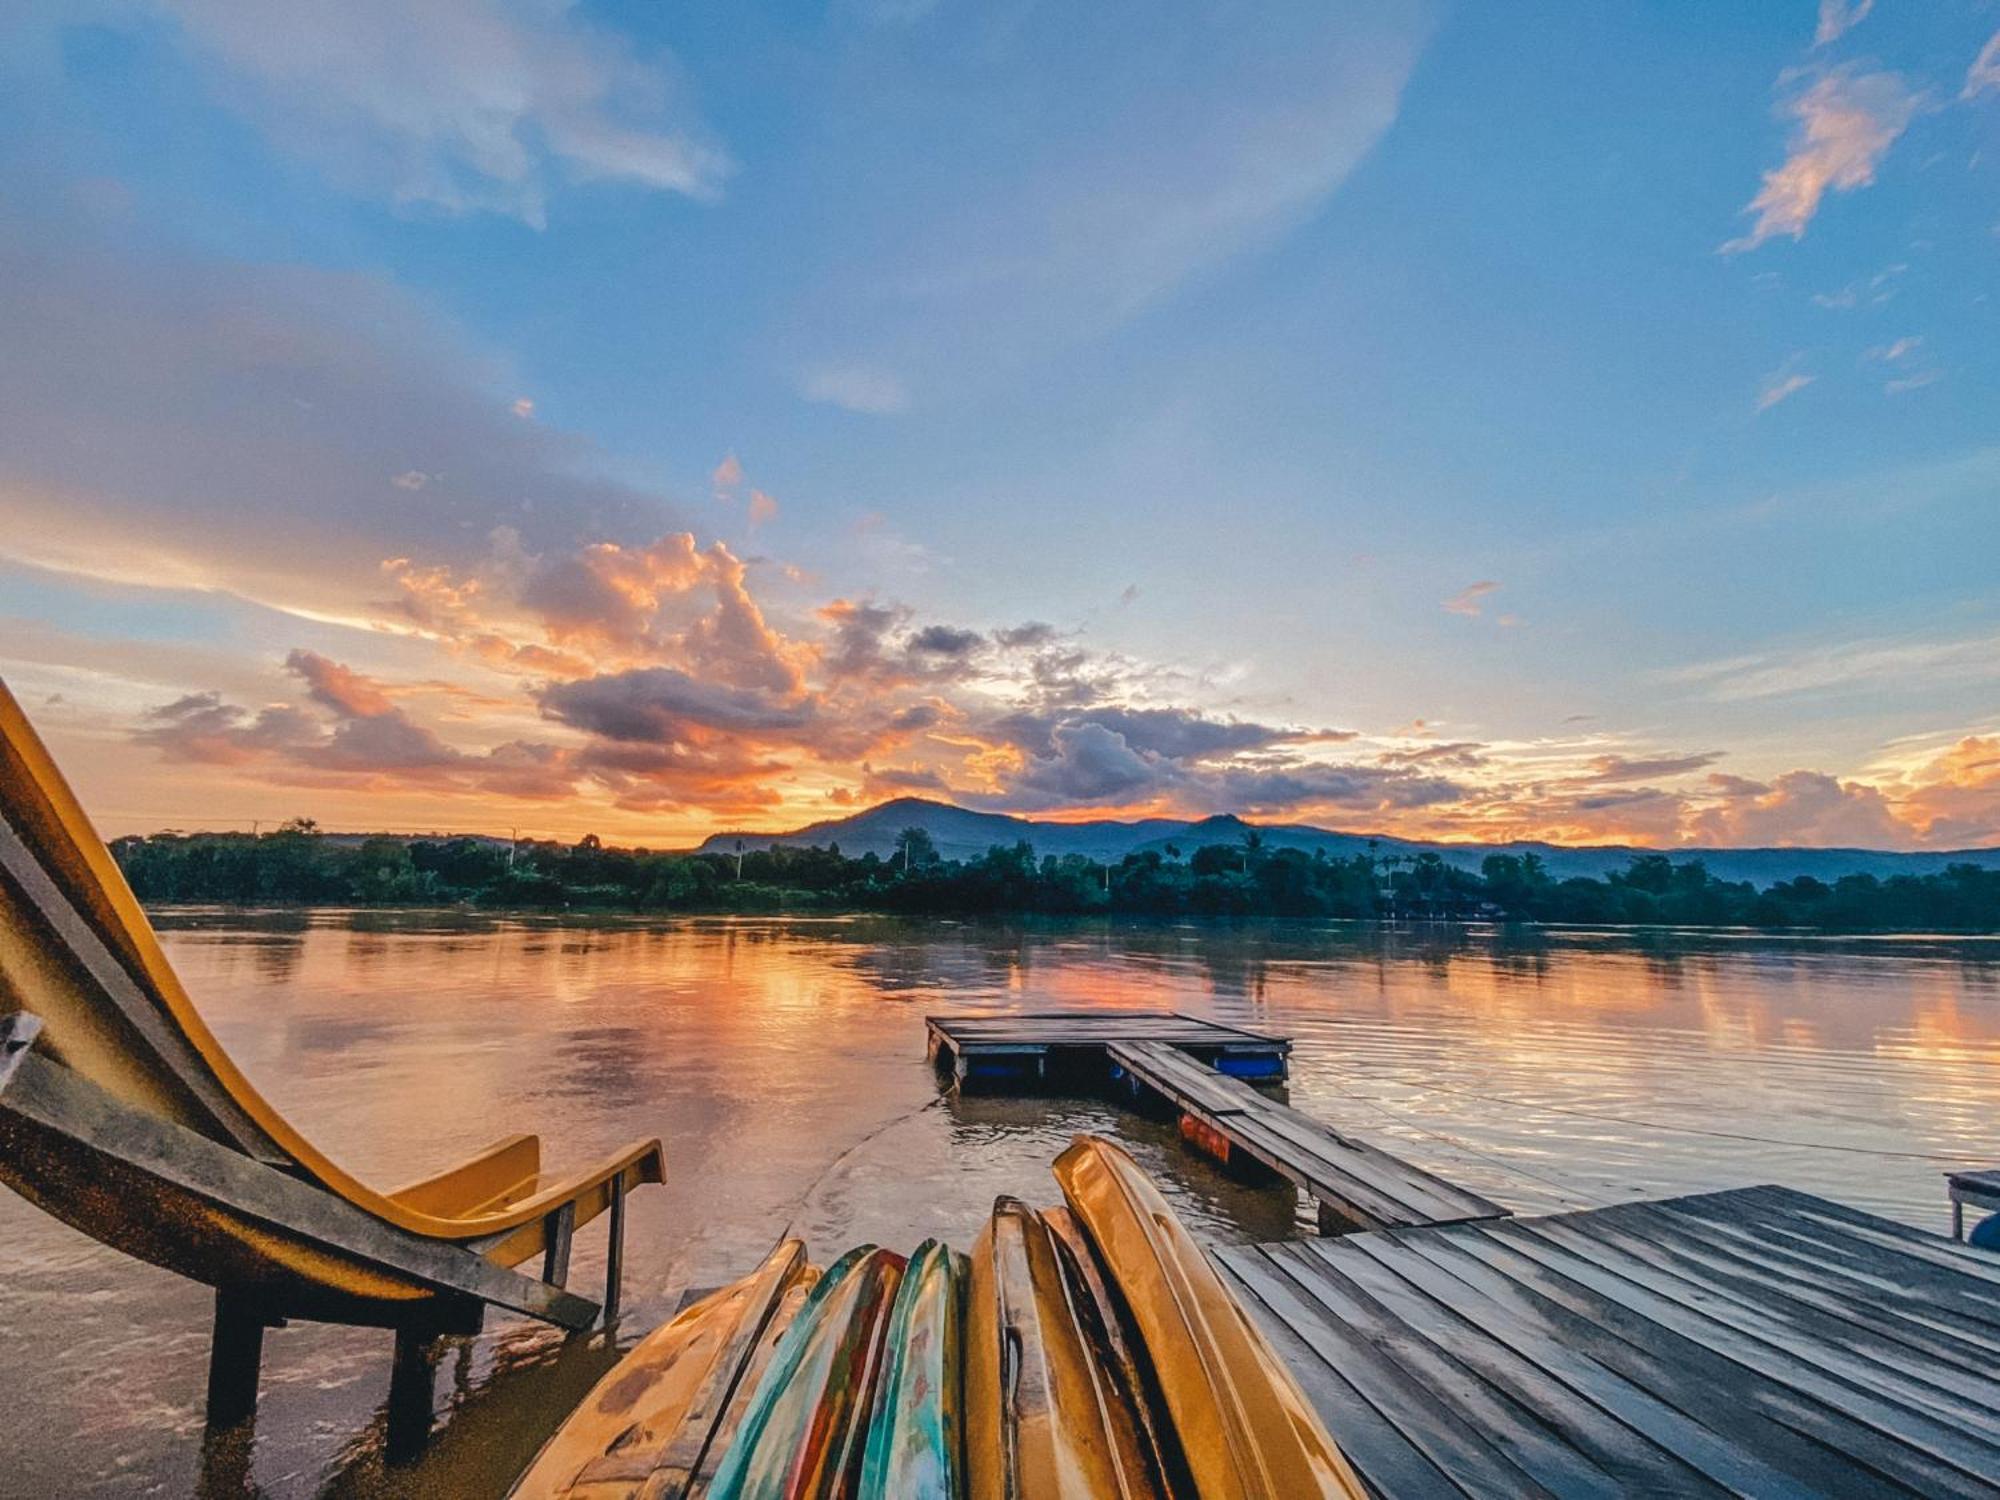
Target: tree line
[(299, 864)]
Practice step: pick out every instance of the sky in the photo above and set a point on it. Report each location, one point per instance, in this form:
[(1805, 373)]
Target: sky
[(1554, 420)]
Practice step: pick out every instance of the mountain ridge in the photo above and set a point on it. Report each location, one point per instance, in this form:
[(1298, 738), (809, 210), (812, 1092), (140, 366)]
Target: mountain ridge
[(964, 833)]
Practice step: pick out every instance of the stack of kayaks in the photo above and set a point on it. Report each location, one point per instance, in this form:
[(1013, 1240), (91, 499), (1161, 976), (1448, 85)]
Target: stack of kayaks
[(1085, 1351)]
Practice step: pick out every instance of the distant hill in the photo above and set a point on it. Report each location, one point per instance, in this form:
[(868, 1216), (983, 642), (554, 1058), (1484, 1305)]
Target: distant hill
[(961, 833)]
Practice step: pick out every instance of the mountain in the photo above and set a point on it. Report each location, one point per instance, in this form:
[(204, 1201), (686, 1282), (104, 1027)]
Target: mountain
[(961, 833)]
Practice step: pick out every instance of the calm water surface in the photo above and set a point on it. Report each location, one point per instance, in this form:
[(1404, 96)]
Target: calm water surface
[(782, 1061)]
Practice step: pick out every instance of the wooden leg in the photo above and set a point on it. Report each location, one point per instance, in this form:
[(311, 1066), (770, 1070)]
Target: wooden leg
[(1957, 1219), (412, 1392), (562, 1229), (235, 1354), (614, 1252)]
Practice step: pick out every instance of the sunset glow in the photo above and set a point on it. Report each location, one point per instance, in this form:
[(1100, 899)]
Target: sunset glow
[(607, 418)]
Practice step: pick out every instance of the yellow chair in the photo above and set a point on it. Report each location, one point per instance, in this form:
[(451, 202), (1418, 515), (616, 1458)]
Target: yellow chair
[(122, 1116)]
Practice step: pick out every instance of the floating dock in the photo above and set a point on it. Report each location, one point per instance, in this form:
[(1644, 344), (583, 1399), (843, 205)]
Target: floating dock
[(1755, 1342), (1204, 1070), (1355, 1185), (1035, 1048)]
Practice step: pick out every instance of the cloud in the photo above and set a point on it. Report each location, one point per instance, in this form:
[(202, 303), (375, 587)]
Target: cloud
[(1984, 73), (1891, 353), (410, 479), (662, 705), (1800, 808), (1875, 290), (1955, 797), (1837, 17), (946, 640), (154, 402), (1915, 382), (459, 105), (1024, 637), (856, 388), (1868, 666), (727, 475), (1126, 171), (1780, 385), (1179, 734), (522, 407), (1466, 600), (762, 508), (340, 688), (1844, 123), (1616, 768), (359, 739)]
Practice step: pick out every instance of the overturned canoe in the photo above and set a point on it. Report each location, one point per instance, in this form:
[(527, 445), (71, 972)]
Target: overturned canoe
[(648, 1427), (803, 1432), (1043, 1417), (1088, 1352), (914, 1436), (1246, 1431)]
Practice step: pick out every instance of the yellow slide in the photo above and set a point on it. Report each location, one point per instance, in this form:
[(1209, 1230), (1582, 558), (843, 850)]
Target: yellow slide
[(121, 1115)]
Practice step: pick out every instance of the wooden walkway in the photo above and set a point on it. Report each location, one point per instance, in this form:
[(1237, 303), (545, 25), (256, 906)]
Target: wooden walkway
[(1760, 1342), (1356, 1185), (1026, 1048)]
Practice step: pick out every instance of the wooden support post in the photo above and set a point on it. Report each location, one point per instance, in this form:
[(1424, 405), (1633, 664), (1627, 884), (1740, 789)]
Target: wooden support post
[(235, 1354), (1957, 1217), (412, 1392), (614, 1251), (555, 1261)]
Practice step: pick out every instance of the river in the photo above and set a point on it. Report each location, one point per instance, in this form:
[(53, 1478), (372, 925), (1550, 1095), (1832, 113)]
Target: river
[(782, 1062)]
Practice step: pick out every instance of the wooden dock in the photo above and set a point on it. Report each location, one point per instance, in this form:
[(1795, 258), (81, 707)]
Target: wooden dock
[(1356, 1185), (1759, 1342), (1028, 1049), (1980, 1189)]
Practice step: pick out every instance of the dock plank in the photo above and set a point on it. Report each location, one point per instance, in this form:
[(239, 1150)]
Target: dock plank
[(1362, 1183), (1648, 1348)]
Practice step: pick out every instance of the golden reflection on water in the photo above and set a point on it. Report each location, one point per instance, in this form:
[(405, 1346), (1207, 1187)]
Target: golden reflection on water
[(782, 1062)]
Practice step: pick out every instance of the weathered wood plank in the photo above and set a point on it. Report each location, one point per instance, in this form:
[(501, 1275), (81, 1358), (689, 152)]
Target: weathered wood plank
[(1643, 1349), (1402, 1437), (1363, 1184), (1819, 1374)]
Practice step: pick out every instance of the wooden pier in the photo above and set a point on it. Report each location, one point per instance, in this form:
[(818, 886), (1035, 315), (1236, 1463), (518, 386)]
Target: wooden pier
[(1356, 1185), (1759, 1342), (1034, 1048)]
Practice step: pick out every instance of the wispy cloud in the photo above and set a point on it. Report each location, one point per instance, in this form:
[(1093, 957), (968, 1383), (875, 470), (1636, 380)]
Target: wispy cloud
[(1984, 73), (1781, 385), (857, 388), (1915, 382), (1466, 600), (1866, 665), (1838, 17), (1843, 124), (1896, 350), (1873, 290), (475, 105)]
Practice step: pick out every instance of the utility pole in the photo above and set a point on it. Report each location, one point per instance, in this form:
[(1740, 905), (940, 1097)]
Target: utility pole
[(513, 842), (739, 859)]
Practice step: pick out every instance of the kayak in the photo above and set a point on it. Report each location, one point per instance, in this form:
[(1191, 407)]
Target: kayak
[(1043, 1419), (913, 1437), (802, 1434)]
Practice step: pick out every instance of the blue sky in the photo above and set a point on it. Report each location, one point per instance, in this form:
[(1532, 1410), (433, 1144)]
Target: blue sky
[(1557, 419)]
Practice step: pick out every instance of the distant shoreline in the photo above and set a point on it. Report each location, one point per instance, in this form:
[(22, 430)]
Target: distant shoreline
[(298, 866)]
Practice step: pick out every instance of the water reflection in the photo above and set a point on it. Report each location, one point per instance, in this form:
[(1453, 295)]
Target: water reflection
[(782, 1060)]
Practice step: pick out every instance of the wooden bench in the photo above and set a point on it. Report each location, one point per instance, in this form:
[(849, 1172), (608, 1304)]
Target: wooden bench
[(1356, 1185)]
